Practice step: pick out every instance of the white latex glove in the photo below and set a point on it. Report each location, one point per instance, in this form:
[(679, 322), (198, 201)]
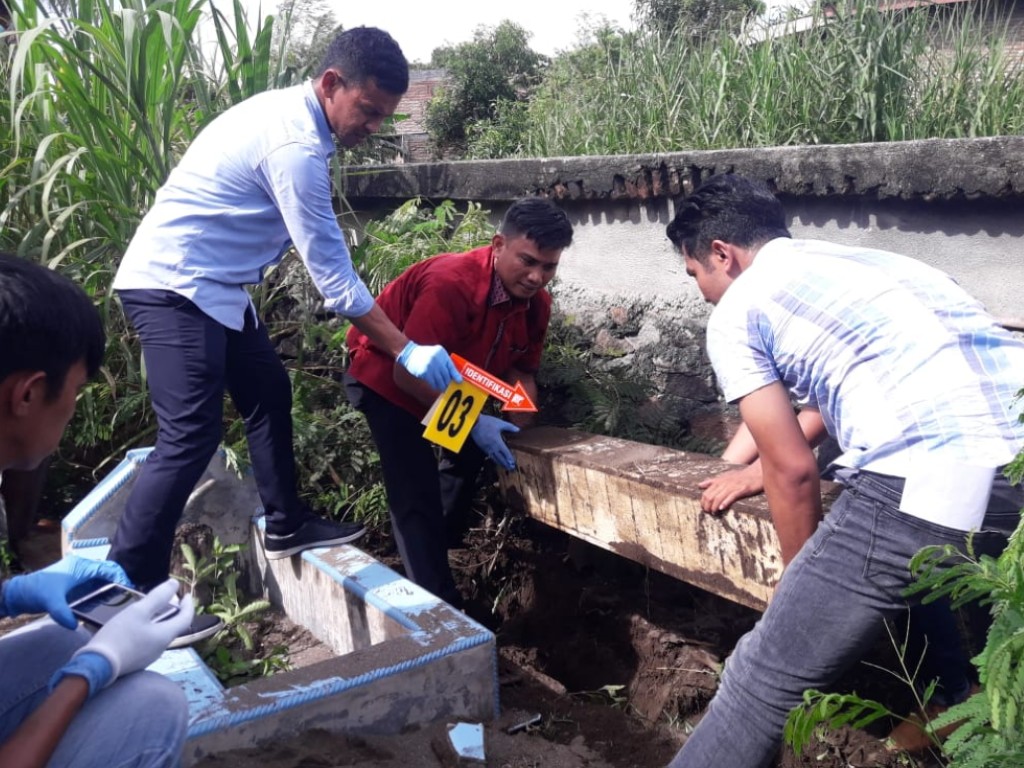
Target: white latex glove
[(132, 640)]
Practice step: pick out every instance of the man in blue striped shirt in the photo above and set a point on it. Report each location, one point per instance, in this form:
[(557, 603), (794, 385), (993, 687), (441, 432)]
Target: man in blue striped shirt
[(914, 380), (252, 185)]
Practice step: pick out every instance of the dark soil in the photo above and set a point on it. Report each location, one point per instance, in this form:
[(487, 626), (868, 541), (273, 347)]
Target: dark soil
[(618, 661), (621, 656)]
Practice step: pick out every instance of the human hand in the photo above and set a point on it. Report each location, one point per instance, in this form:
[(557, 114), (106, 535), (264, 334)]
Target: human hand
[(487, 433), (47, 590), (133, 639), (721, 491), (432, 364)]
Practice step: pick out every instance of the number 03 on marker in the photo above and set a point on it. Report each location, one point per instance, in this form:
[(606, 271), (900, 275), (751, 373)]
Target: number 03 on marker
[(453, 414)]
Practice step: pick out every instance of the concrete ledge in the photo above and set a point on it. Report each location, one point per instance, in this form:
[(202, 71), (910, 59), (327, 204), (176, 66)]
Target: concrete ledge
[(929, 170), (404, 657), (642, 502)]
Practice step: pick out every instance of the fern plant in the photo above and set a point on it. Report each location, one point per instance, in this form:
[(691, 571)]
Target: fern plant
[(989, 729)]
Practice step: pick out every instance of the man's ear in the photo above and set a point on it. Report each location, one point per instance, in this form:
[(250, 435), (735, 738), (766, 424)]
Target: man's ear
[(498, 241), (27, 390), (727, 256), (329, 81)]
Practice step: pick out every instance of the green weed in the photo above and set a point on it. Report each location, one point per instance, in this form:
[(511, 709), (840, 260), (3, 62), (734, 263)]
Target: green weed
[(219, 573)]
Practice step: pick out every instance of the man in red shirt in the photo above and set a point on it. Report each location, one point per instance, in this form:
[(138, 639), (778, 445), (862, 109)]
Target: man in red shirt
[(489, 306)]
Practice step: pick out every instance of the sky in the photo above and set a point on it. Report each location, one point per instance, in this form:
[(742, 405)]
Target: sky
[(420, 26)]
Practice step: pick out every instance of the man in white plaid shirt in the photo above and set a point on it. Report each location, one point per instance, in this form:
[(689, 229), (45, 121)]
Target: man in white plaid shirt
[(917, 384)]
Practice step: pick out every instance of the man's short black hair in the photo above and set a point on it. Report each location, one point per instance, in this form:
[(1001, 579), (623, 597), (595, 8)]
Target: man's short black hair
[(47, 323), (540, 220), (730, 208), (365, 53)]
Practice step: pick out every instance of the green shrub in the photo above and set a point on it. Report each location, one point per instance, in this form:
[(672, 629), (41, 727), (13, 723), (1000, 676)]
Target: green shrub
[(990, 724)]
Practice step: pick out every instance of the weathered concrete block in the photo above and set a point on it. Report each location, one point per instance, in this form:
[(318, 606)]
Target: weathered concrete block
[(643, 502)]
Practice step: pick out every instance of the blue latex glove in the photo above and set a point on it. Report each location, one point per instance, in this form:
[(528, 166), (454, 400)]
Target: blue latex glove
[(487, 433), (47, 590), (432, 364), (130, 641), (96, 670)]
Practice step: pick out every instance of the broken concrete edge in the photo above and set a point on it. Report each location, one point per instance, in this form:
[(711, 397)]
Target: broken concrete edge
[(925, 169)]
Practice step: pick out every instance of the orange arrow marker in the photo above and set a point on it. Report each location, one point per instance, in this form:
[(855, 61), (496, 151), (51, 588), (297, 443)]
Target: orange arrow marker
[(514, 398)]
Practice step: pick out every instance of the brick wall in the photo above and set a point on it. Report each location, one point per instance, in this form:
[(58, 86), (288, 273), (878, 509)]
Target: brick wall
[(412, 132)]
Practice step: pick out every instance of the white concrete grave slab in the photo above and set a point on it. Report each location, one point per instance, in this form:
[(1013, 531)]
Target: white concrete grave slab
[(403, 656)]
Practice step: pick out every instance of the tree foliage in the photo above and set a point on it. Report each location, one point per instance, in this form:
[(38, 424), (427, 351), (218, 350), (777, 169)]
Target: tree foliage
[(304, 30), (696, 18), (495, 68)]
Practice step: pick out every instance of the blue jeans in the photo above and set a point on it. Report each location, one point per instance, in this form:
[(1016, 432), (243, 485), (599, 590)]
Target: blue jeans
[(139, 721), (828, 609)]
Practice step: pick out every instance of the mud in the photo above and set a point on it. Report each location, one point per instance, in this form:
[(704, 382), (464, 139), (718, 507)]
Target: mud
[(615, 662), (623, 659)]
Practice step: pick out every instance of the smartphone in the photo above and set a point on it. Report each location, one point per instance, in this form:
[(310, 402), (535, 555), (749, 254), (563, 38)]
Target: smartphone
[(100, 606)]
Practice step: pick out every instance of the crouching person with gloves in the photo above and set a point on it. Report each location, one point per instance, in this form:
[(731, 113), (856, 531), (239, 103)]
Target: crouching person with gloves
[(489, 306), (68, 699), (73, 700)]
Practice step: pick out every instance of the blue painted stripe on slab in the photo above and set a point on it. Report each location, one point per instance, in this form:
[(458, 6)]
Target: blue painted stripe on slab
[(98, 496), (78, 544), (297, 696)]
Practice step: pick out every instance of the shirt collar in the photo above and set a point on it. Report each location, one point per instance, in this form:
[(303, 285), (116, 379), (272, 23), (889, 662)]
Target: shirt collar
[(498, 293), (323, 128)]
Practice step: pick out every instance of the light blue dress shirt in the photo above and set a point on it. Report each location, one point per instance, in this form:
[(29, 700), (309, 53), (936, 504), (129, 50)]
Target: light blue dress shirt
[(911, 375), (255, 181)]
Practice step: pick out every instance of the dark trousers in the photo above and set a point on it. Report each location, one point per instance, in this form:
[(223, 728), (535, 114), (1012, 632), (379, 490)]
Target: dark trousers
[(429, 499), (190, 360)]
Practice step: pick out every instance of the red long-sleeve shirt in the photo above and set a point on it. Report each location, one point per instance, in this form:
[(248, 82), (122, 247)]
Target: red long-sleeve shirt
[(457, 301)]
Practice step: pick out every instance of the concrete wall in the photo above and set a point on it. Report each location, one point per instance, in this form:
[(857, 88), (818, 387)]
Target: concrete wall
[(955, 204)]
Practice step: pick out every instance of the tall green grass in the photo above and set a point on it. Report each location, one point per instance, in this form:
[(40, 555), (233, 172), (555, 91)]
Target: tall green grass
[(98, 104), (101, 103), (863, 76)]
